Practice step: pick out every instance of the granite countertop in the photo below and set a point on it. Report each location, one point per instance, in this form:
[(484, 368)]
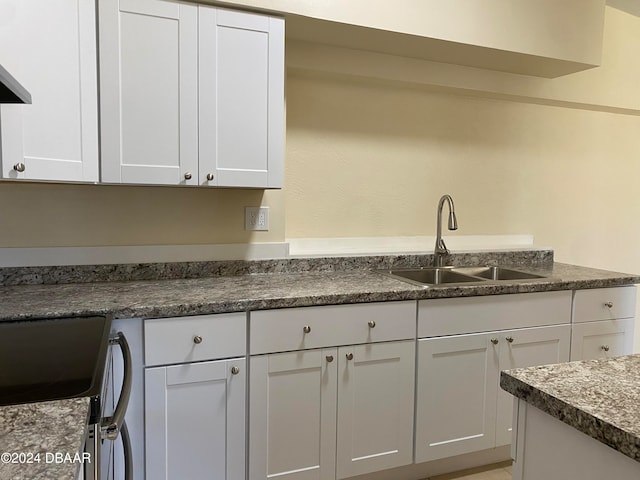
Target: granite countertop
[(219, 294), (256, 291), (597, 397), (43, 441)]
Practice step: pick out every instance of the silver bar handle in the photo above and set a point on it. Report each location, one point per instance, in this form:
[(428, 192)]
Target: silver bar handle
[(128, 457), (110, 426)]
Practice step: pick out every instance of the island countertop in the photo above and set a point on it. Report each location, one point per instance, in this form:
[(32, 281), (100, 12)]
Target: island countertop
[(599, 398), (44, 440)]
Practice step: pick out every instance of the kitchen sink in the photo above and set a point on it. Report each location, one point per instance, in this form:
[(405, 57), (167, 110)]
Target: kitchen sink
[(434, 276), (497, 273)]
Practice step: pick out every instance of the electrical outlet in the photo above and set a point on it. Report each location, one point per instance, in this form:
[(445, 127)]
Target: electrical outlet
[(256, 218)]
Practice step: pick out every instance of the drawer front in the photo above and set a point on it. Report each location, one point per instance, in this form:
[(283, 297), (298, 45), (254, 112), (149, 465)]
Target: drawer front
[(453, 316), (315, 327), (604, 304), (602, 339), (193, 339)]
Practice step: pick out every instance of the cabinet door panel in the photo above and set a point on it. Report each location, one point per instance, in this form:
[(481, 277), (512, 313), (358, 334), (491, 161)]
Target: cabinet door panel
[(375, 407), (292, 408), (149, 98), (605, 338), (241, 98), (194, 421), (529, 347), (456, 395), (50, 48)]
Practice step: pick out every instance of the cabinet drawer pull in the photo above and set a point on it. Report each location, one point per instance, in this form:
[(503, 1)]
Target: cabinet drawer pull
[(605, 348), (19, 167), (197, 339), (187, 176), (494, 341), (235, 370), (509, 339), (306, 329), (329, 358), (349, 356), (371, 324), (608, 304), (210, 176)]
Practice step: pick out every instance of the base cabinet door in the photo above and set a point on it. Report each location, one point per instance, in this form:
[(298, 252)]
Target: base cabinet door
[(456, 395), (602, 339), (375, 407), (195, 421), (526, 348), (292, 426)]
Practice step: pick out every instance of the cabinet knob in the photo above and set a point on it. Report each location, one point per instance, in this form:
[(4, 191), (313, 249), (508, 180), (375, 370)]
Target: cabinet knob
[(605, 348), (19, 167), (349, 356), (187, 176), (329, 358), (609, 304), (306, 329), (210, 176), (235, 370), (197, 339), (371, 324), (494, 341), (509, 339)]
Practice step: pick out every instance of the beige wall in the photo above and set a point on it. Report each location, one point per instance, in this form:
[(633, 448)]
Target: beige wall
[(369, 155), (40, 215)]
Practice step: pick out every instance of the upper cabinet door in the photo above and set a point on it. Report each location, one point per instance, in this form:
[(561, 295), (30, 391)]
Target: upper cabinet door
[(149, 92), (50, 48), (241, 129)]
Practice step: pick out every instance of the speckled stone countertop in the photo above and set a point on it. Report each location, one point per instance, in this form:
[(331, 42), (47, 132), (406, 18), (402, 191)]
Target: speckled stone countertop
[(597, 397), (222, 293), (47, 429)]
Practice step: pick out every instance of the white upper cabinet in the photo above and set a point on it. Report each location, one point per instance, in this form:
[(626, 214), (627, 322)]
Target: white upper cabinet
[(241, 91), (50, 48), (148, 92), (191, 95)]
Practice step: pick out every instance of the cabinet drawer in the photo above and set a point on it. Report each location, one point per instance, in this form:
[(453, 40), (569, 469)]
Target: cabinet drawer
[(453, 316), (602, 339), (314, 327), (193, 339), (604, 304)]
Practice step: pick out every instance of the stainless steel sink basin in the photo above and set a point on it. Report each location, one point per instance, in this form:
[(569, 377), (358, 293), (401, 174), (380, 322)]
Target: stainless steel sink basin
[(497, 273), (433, 276)]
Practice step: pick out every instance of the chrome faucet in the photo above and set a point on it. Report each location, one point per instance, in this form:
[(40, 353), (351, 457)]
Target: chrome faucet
[(441, 249)]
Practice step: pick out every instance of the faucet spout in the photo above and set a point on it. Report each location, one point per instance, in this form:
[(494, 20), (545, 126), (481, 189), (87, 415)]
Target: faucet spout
[(440, 249)]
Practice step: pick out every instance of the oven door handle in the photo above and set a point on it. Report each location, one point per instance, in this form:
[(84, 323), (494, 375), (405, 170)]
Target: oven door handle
[(110, 426)]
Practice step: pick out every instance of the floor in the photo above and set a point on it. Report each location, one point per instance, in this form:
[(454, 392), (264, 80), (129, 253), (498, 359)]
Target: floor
[(500, 471)]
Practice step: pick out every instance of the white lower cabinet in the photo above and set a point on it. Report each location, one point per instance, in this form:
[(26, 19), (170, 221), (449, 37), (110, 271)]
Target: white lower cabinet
[(602, 339), (335, 411), (195, 420), (603, 321), (292, 429), (375, 407), (460, 407), (195, 406)]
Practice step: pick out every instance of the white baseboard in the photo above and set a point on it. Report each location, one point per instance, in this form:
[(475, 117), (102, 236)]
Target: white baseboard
[(52, 256), (305, 247)]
